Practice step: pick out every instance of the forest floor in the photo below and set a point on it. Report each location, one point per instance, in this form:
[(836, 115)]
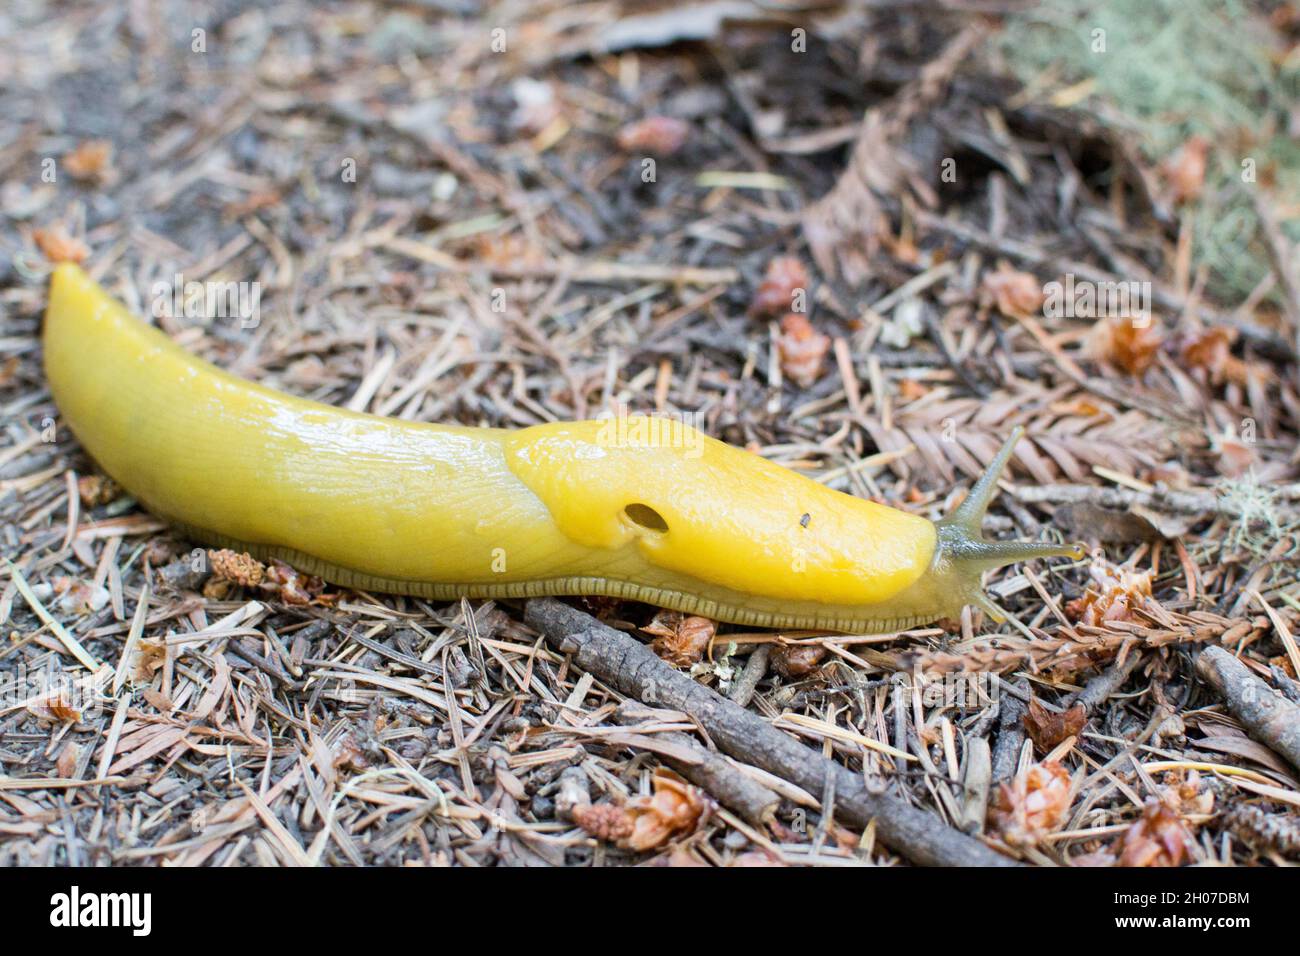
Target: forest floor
[(861, 240)]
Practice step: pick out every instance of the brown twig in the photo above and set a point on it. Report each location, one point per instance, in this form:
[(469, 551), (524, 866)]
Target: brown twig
[(1269, 717), (627, 665), (723, 780)]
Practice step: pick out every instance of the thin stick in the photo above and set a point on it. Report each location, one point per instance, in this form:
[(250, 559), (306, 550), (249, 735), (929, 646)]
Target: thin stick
[(1269, 717), (624, 663)]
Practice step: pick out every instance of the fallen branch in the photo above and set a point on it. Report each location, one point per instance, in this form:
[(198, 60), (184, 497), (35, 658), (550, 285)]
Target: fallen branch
[(1268, 716), (1011, 737), (1106, 683), (631, 668), (713, 773), (1159, 499)]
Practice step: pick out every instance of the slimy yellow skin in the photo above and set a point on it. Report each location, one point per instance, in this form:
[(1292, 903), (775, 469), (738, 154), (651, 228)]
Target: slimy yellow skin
[(629, 508)]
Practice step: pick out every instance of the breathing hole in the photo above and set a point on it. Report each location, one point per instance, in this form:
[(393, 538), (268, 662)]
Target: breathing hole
[(646, 517)]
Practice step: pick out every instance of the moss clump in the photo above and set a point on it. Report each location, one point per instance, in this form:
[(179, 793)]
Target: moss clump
[(1165, 70)]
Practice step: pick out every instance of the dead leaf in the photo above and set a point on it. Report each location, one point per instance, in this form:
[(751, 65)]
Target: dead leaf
[(1083, 518), (57, 708), (1047, 729), (8, 370), (1125, 343), (66, 765), (1233, 457), (147, 658), (844, 227)]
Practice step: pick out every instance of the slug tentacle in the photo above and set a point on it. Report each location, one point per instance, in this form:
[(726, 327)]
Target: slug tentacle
[(963, 554)]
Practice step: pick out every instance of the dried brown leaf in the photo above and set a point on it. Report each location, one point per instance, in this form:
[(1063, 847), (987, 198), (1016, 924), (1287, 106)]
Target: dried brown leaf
[(57, 708), (1126, 343), (1047, 728)]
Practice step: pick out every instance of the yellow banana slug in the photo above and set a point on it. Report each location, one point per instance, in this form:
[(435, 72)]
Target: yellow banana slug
[(629, 508)]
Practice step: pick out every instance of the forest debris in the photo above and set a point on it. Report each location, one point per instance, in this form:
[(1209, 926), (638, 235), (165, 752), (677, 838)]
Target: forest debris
[(97, 490), (1032, 805), (73, 596), (1114, 594), (646, 822), (1109, 526), (730, 785), (844, 227), (241, 569), (674, 808), (1268, 716), (1011, 736), (66, 765), (1184, 170), (605, 821), (784, 279), (1014, 292), (57, 246), (91, 160), (1125, 342), (656, 135), (574, 793), (797, 660), (294, 587), (1277, 832), (56, 707), (1047, 728), (803, 349), (680, 639), (1185, 791), (1211, 351), (1158, 838), (625, 664)]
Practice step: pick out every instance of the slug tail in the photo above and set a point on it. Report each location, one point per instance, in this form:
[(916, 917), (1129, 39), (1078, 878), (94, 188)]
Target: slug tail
[(960, 533)]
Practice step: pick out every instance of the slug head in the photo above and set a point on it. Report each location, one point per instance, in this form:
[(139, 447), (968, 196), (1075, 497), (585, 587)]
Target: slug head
[(963, 555)]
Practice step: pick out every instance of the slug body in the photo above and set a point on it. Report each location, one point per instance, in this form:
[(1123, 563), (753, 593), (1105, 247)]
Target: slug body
[(627, 507)]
